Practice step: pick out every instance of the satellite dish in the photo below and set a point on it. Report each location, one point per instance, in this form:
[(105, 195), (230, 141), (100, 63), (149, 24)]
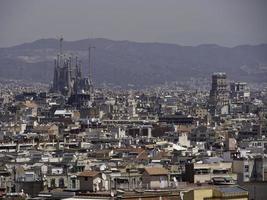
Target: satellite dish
[(104, 177)]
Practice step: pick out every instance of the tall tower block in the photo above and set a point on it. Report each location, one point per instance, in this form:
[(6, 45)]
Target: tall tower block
[(219, 94)]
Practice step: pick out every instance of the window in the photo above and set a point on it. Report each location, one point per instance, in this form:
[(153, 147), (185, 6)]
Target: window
[(61, 183), (86, 178), (53, 183), (73, 183), (246, 168)]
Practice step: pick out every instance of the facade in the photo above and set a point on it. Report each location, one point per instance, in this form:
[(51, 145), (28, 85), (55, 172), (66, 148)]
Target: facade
[(203, 134), (216, 193), (56, 178), (253, 169), (90, 181), (155, 177), (50, 130), (240, 92), (219, 94), (204, 173), (200, 112), (5, 180)]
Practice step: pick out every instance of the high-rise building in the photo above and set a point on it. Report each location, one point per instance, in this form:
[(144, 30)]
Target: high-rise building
[(240, 92), (219, 94)]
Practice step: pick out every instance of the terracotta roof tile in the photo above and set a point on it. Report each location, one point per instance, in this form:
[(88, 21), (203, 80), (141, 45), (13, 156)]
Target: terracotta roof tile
[(156, 171), (88, 173)]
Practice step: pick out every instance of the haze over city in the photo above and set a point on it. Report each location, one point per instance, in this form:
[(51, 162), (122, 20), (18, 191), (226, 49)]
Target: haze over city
[(184, 22)]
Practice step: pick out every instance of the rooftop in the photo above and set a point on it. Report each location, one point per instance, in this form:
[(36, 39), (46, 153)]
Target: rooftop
[(156, 171)]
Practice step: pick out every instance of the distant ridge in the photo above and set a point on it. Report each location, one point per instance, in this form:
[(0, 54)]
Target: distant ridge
[(141, 64)]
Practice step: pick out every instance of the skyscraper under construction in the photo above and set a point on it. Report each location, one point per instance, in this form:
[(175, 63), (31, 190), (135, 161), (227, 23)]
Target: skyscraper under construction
[(68, 79)]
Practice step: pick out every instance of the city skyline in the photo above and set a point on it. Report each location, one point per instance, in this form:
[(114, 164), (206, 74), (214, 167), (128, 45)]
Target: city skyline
[(88, 113)]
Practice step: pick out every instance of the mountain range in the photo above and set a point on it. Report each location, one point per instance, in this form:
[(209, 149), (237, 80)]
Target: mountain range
[(141, 64)]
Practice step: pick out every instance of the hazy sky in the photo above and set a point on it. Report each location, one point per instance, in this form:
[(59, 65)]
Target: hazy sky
[(185, 22)]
